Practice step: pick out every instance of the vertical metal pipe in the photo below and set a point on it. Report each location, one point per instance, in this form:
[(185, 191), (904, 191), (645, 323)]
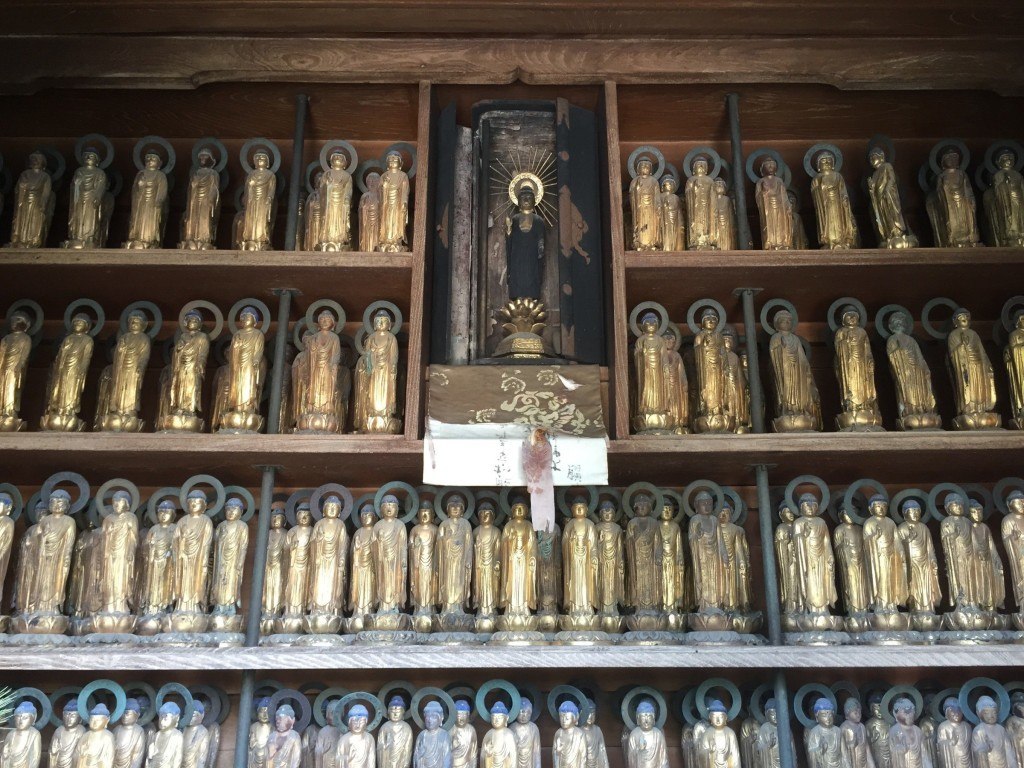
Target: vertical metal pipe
[(739, 188), (245, 719), (298, 171), (284, 308), (771, 580), (786, 757), (753, 363), (259, 561)]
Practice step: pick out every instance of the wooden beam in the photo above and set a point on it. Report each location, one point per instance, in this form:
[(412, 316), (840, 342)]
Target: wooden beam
[(31, 63)]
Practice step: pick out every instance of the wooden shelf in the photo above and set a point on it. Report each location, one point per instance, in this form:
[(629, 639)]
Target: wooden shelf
[(116, 277), (421, 657)]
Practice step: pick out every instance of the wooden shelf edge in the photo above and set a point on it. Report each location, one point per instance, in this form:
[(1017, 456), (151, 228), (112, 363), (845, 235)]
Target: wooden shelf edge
[(103, 442), (420, 657), (867, 257), (167, 257)]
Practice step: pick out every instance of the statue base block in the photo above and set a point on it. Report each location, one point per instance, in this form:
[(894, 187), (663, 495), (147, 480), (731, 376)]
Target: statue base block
[(727, 637), (922, 621), (423, 622), (583, 637), (714, 424), (239, 423), (56, 422), (323, 623), (80, 626), (972, 637), (454, 621), (794, 423), (857, 622), (517, 637), (890, 621), (11, 424), (647, 621), (653, 638), (317, 424), (611, 623), (392, 621), (323, 641), (819, 638), (180, 422), (486, 623), (280, 640), (920, 422), (713, 620), (289, 625), (227, 622), (978, 421), (186, 622), (745, 623), (518, 622), (386, 637), (819, 622), (967, 618), (579, 622), (121, 422), (149, 624), (355, 624), (5, 624), (859, 421), (547, 622), (109, 638), (199, 639), (458, 638), (39, 624), (889, 637), (38, 641)]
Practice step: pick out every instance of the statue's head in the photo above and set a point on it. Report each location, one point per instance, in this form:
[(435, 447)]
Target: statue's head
[(193, 321), (568, 714), (725, 513), (898, 322), (20, 322), (499, 715), (525, 711), (169, 715), (709, 319), (358, 716), (205, 158), (60, 502), (263, 710), (394, 161), (80, 323), (644, 166), (121, 503), (1006, 159), (975, 511), (455, 506), (912, 510), (69, 715), (851, 317), (649, 323), (845, 515), (700, 166), (703, 503), (396, 709), (249, 317), (6, 504), (769, 167), (876, 157), (284, 718), (199, 712), (25, 715), (196, 503), (389, 507), (99, 716), (771, 711), (485, 513), (261, 160), (152, 161), (878, 505), (721, 187), (433, 715), (332, 506), (373, 181), (339, 161), (824, 712), (645, 714), (954, 504), (607, 511), (952, 710), (808, 505), (325, 321), (641, 505), (579, 508), (591, 716), (785, 513), (277, 518), (783, 321), (718, 715), (962, 318), (668, 184), (1017, 703), (36, 161), (462, 710), (950, 159), (1015, 502), (904, 711), (367, 515), (382, 321), (852, 710), (729, 338), (234, 508), (825, 162), (519, 509), (668, 510), (136, 322), (425, 514), (90, 158), (303, 514)]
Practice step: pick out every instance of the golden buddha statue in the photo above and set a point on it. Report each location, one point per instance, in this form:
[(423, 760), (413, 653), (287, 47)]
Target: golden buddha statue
[(260, 733), (1012, 529), (422, 567), (653, 397), (119, 540), (646, 746), (34, 201), (886, 205), (1013, 358), (597, 752), (971, 374), (183, 397), (549, 577), (915, 400), (855, 370), (885, 567), (836, 226), (723, 235), (527, 736), (433, 747), (296, 567), (796, 395), (67, 379), (924, 594), (6, 544), (41, 596), (785, 559), (990, 584), (65, 737), (195, 740), (118, 410), (707, 555), (518, 572), (673, 219), (230, 548), (84, 580), (370, 213), (737, 384), (579, 559), (1015, 724), (327, 564), (1004, 202), (958, 548), (284, 747), (822, 742), (245, 376), (334, 199), (700, 205), (377, 372), (498, 748), (718, 744), (394, 206), (673, 566), (316, 378), (166, 745), (148, 217), (815, 567), (737, 572), (327, 739), (22, 746), (878, 733), (854, 747), (569, 746), (800, 241), (774, 208), (848, 539), (202, 206), (953, 737), (711, 357), (951, 206), (454, 566), (390, 542), (643, 555), (767, 745), (273, 578), (156, 571), (463, 737), (906, 739), (644, 199), (91, 202), (95, 748), (259, 207), (611, 567), (677, 387), (190, 554), (356, 747), (486, 568), (15, 348), (394, 739), (362, 586)]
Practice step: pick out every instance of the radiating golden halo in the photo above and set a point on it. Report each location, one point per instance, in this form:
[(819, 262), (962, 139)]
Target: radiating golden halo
[(523, 179)]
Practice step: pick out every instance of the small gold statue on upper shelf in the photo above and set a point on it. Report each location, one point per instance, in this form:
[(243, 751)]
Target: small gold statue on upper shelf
[(391, 561), (815, 569), (69, 369), (182, 395), (120, 401), (569, 747), (643, 567), (156, 573), (923, 592), (91, 200), (318, 398), (773, 203), (724, 229), (707, 556), (674, 578), (738, 393), (855, 370), (673, 217), (148, 217), (394, 205), (915, 401), (259, 200), (971, 373), (611, 567), (334, 198), (579, 559), (711, 359), (369, 212), (701, 205), (676, 384), (886, 204), (377, 371), (486, 568), (312, 209), (326, 561), (886, 568), (246, 373), (455, 564), (193, 539), (230, 547), (652, 396), (362, 587), (34, 201), (848, 541), (1004, 202), (796, 395), (96, 747), (644, 198), (119, 539), (785, 557), (1013, 359), (296, 594), (15, 348), (202, 206), (951, 205), (836, 227), (273, 579), (423, 567), (518, 572), (800, 241)]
